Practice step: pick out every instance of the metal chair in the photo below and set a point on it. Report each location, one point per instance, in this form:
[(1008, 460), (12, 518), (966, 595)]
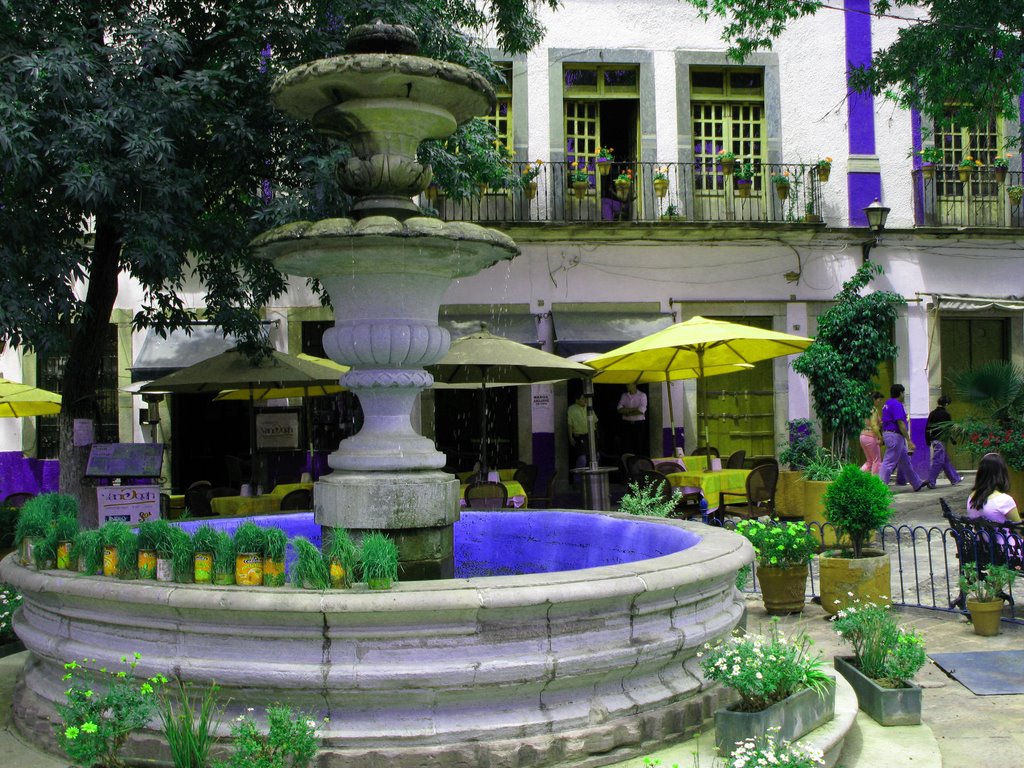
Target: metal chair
[(636, 466), (545, 501), (760, 495), (756, 461), (486, 495), (300, 499), (526, 476), (197, 502), (667, 467), (735, 460), (707, 450)]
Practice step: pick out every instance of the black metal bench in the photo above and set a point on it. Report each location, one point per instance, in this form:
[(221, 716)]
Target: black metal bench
[(980, 543)]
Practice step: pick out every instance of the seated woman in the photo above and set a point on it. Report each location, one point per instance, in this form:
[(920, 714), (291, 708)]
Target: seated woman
[(989, 499)]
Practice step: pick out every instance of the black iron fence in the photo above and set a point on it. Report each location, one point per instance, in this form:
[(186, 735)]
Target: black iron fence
[(950, 196), (642, 192)]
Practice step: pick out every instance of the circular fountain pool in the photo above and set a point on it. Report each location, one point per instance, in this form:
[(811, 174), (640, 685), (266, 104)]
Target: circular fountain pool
[(580, 666)]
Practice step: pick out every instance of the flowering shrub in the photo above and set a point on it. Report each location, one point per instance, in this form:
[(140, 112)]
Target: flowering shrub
[(825, 164), (970, 162), (578, 172), (1003, 161), (779, 545), (531, 172), (102, 709), (648, 499), (290, 741), (884, 651), (764, 669), (745, 172), (1008, 441), (754, 753), (626, 177), (10, 599), (661, 174), (605, 154), (932, 155)]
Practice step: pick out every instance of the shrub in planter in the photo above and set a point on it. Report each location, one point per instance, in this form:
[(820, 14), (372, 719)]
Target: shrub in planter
[(780, 684), (378, 560), (275, 545), (985, 594), (783, 553), (203, 539), (223, 559), (342, 558), (250, 544), (87, 552), (311, 570)]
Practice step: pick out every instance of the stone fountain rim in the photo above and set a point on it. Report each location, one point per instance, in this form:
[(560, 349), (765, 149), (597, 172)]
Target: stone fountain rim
[(300, 92), (717, 552)]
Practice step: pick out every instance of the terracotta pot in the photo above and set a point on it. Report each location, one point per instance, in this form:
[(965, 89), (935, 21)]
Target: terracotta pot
[(928, 170), (530, 190), (1000, 174), (783, 589), (965, 174), (660, 188), (814, 512), (728, 166), (782, 190), (604, 167), (824, 172), (789, 494), (986, 616), (580, 188), (846, 579), (743, 187)]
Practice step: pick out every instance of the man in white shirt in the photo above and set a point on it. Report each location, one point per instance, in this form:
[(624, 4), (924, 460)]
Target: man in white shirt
[(633, 410)]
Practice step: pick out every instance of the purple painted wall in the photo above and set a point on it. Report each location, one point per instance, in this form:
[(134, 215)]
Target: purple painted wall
[(862, 188), (543, 458), (20, 474), (666, 440)]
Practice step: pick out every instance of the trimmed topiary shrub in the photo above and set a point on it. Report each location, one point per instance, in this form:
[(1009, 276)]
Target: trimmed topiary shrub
[(857, 503)]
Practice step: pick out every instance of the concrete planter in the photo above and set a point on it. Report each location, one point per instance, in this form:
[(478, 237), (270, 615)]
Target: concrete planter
[(986, 616), (867, 578), (789, 494), (887, 706), (794, 716), (814, 512)]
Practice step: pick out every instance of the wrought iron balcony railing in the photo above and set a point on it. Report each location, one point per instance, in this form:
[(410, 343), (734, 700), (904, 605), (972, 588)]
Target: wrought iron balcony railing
[(945, 196), (642, 192)]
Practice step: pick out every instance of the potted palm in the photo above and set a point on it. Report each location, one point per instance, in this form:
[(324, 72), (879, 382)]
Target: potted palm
[(275, 546), (985, 594), (885, 659), (342, 557), (202, 554), (250, 542), (781, 685), (856, 504), (87, 552), (223, 559), (784, 551), (378, 560), (819, 472), (311, 570)]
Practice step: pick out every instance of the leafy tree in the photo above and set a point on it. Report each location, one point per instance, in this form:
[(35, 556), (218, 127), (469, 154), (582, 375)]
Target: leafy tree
[(959, 55), (137, 138), (852, 339)]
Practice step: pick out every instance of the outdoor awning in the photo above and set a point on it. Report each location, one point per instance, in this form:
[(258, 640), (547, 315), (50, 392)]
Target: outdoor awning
[(512, 321), (160, 356), (579, 330), (976, 303)]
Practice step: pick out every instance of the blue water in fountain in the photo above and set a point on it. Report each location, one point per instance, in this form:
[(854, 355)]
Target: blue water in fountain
[(510, 543)]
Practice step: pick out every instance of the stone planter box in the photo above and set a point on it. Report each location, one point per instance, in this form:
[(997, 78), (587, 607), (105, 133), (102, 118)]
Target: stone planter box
[(887, 706), (795, 716)]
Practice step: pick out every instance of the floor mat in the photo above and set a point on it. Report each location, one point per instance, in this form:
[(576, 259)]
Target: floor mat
[(985, 673)]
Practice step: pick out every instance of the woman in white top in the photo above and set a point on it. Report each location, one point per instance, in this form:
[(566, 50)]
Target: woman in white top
[(989, 499)]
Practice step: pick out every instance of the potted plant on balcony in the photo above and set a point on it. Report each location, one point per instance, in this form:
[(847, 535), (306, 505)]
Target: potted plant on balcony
[(660, 182), (1015, 192), (529, 179), (781, 182), (930, 157), (744, 179), (885, 659), (857, 504), (824, 168), (579, 180), (603, 161), (727, 161), (1000, 167), (810, 215), (623, 185), (985, 595), (378, 560), (781, 685), (966, 167), (783, 552)]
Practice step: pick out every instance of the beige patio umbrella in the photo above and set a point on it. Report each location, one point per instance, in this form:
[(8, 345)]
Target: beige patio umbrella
[(697, 348), (487, 360), (17, 400)]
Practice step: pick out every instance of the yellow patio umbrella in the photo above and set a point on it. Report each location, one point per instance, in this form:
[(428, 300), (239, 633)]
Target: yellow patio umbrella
[(695, 349), (18, 400), (264, 391)]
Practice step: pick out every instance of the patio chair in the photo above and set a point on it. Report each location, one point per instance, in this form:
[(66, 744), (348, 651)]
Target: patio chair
[(757, 461), (707, 450), (198, 503), (735, 460), (526, 476), (297, 500), (667, 467), (486, 495), (637, 466), (545, 501), (760, 495)]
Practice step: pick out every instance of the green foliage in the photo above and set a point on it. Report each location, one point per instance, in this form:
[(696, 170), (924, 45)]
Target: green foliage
[(378, 557), (996, 392), (190, 731), (250, 537), (87, 551), (44, 551), (8, 521), (155, 534), (65, 527), (111, 533), (823, 466), (779, 545), (764, 669), (743, 576), (801, 446), (101, 709), (290, 741), (203, 538), (275, 543), (310, 570), (745, 171), (992, 584), (857, 503), (223, 553), (10, 599), (39, 515), (342, 549), (884, 651), (182, 555), (128, 556), (852, 339), (648, 498), (942, 65)]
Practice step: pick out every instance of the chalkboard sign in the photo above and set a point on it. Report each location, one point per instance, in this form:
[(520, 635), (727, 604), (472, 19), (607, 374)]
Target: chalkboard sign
[(125, 460)]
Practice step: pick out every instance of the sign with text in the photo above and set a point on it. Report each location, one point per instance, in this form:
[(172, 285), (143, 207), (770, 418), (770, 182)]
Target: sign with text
[(278, 430), (125, 460), (130, 504)]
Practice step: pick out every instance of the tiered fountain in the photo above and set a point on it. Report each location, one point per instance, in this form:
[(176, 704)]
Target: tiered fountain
[(583, 656)]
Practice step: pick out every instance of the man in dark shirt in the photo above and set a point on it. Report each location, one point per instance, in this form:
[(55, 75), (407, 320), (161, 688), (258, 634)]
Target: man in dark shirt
[(933, 434), (898, 445)]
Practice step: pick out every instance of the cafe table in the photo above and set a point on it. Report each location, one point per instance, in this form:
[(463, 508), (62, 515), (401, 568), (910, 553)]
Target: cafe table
[(711, 484), (230, 506), (516, 494)]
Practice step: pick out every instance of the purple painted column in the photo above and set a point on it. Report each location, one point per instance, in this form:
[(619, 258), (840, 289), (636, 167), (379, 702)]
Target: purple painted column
[(544, 458), (862, 187), (919, 187)]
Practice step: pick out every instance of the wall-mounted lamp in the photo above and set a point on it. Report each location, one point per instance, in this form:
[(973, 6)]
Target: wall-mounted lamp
[(876, 214)]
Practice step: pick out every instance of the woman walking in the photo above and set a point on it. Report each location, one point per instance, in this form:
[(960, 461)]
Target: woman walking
[(871, 437)]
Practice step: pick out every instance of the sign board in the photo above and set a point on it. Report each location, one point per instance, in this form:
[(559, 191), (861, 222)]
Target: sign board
[(130, 504), (125, 460), (278, 430)]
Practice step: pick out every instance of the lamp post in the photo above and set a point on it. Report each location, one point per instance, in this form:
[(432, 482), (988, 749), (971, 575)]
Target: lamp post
[(876, 214)]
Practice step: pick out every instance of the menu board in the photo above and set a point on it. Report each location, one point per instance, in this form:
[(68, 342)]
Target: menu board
[(125, 460)]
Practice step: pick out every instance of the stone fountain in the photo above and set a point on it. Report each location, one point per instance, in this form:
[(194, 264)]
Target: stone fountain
[(386, 270), (582, 653)]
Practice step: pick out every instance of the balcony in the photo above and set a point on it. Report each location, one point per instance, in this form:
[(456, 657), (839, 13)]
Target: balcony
[(942, 199), (699, 193)]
